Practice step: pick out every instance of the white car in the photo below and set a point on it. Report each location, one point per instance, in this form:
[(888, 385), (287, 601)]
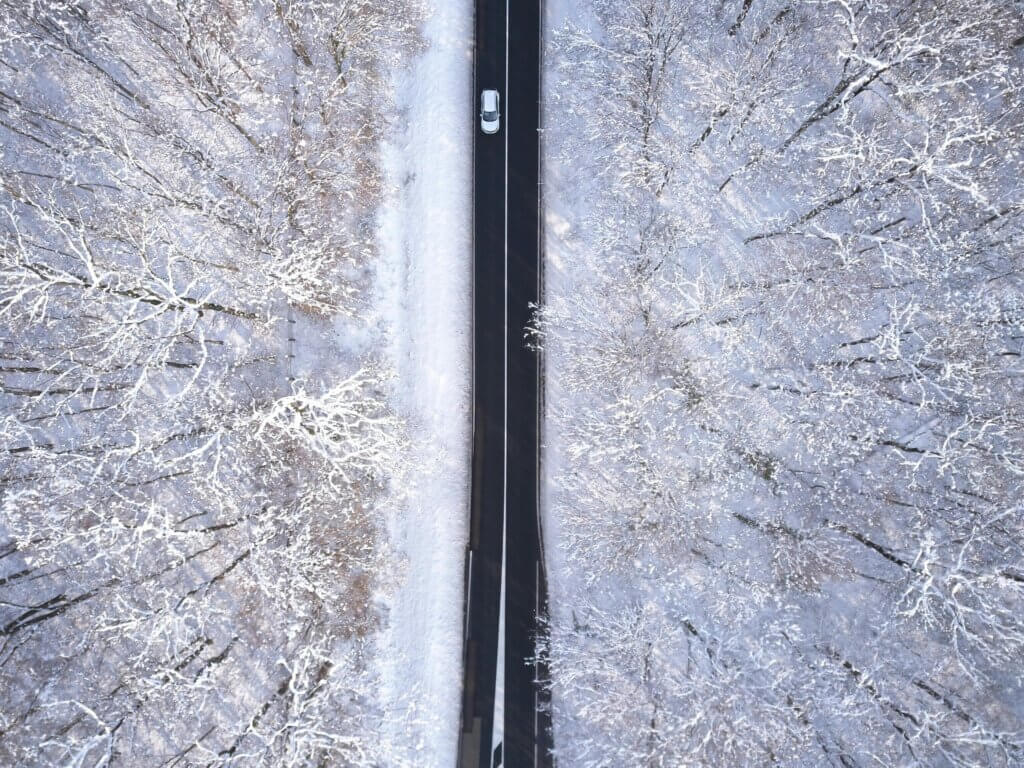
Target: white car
[(490, 111)]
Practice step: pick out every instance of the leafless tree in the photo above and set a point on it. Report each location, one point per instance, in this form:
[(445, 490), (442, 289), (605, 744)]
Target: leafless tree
[(190, 533), (785, 385)]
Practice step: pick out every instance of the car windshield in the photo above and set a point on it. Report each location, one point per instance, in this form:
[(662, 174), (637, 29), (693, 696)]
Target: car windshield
[(490, 115)]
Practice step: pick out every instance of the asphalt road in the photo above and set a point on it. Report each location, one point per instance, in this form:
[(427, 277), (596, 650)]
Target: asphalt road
[(506, 389)]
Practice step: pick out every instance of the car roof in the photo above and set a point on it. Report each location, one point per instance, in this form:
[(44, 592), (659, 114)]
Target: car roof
[(490, 99)]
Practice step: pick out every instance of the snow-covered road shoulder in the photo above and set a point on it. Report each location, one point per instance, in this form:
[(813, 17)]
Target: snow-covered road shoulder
[(425, 291)]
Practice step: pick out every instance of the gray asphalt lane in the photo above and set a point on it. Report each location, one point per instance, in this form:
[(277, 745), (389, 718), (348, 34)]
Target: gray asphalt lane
[(505, 422)]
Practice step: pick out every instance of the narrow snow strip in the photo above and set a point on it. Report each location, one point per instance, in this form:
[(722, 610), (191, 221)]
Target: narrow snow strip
[(498, 720), (498, 724), (427, 287)]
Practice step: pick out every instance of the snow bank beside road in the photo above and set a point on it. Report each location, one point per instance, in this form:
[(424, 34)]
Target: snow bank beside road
[(426, 292)]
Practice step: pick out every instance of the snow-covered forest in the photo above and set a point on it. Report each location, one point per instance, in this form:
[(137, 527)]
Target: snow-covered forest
[(198, 436), (785, 392)]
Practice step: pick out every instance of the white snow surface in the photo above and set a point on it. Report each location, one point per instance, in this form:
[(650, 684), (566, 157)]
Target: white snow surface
[(425, 292)]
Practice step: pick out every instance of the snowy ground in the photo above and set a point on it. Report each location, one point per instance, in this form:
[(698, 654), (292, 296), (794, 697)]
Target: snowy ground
[(560, 197), (426, 290)]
